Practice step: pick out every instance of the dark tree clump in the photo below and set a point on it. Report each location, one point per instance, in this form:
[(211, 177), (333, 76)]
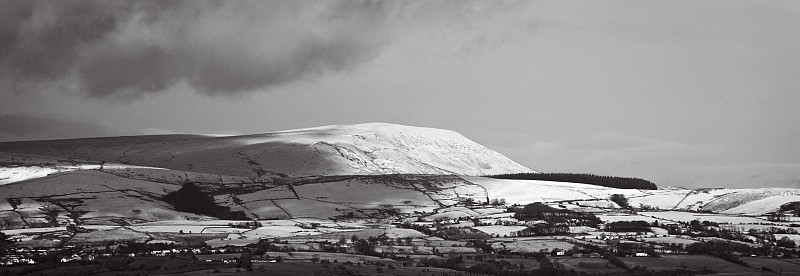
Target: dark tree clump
[(192, 199), (793, 207), (620, 200), (4, 239), (786, 242)]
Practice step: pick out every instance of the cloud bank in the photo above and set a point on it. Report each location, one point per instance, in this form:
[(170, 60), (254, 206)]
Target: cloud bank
[(125, 49)]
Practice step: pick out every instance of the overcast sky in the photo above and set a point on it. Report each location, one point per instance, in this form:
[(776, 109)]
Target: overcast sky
[(683, 93)]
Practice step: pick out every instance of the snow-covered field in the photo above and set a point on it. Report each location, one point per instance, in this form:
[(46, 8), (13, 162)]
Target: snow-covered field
[(688, 217), (499, 229), (17, 174), (730, 201), (616, 217)]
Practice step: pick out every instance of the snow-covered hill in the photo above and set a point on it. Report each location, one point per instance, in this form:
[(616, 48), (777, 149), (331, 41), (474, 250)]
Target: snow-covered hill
[(368, 170), (375, 148)]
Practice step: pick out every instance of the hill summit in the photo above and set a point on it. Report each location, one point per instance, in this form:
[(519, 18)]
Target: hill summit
[(361, 149)]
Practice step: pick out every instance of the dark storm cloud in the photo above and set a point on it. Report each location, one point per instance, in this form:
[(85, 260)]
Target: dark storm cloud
[(24, 127), (123, 49)]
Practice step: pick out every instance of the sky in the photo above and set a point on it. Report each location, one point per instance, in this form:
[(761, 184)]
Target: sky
[(682, 93)]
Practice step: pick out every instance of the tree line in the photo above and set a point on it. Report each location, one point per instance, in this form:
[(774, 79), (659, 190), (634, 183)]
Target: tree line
[(593, 179)]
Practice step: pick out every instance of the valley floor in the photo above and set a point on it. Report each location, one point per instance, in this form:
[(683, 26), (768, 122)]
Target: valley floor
[(466, 238)]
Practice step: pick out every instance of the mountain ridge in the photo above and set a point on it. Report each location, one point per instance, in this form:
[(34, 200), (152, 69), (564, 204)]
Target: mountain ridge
[(372, 148)]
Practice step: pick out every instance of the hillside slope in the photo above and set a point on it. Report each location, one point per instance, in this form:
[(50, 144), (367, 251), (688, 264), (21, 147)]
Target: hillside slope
[(375, 148), (120, 195)]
